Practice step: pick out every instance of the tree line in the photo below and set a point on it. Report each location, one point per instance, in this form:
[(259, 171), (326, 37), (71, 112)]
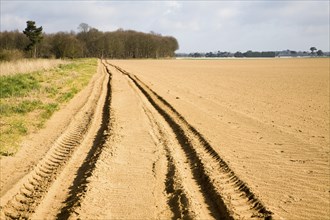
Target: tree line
[(287, 53), (88, 42)]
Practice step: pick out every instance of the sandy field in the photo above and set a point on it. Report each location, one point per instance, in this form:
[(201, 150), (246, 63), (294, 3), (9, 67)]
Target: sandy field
[(268, 118), (181, 139)]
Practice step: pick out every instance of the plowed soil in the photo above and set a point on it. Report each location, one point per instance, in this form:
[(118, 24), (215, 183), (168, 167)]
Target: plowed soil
[(187, 139)]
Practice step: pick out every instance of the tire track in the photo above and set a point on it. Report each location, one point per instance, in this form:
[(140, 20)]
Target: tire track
[(229, 197), (34, 186), (128, 182), (178, 201), (86, 170)]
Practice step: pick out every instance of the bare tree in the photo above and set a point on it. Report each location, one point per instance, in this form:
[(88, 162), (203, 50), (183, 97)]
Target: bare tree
[(83, 27)]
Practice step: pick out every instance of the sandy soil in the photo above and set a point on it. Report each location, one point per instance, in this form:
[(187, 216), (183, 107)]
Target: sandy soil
[(181, 139), (140, 173), (126, 172), (269, 119)]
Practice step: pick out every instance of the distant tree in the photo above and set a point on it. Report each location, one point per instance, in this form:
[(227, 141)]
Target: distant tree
[(45, 47), (83, 27), (313, 49), (11, 40), (89, 42), (196, 55), (249, 53), (66, 45), (268, 54), (320, 53), (209, 54), (238, 54), (35, 36)]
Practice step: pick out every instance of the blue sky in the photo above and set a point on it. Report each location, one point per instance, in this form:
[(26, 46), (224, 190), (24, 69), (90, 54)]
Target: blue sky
[(198, 25)]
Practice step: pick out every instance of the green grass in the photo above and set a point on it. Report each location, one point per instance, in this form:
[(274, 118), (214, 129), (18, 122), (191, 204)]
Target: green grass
[(27, 101), (23, 107), (67, 95), (49, 109), (18, 85)]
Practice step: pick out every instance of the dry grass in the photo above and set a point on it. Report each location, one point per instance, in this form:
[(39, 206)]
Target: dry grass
[(28, 65)]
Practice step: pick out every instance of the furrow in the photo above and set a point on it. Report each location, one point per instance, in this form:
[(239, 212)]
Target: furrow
[(232, 197)]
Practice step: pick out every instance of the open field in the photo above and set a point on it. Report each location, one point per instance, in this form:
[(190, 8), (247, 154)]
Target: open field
[(169, 139), (269, 119)]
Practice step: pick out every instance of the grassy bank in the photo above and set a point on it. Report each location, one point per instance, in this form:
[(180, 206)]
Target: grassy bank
[(29, 99)]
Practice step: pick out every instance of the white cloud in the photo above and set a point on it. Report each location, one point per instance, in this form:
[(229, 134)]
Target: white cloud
[(198, 25), (12, 22), (172, 7)]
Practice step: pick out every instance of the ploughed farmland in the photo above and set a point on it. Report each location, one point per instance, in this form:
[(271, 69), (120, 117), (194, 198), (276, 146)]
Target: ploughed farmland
[(168, 139)]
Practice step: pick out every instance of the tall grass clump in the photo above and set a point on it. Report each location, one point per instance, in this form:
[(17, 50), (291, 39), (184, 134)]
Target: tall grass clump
[(29, 65)]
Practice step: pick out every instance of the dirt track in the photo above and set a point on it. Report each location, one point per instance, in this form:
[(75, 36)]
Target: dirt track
[(127, 153), (75, 137)]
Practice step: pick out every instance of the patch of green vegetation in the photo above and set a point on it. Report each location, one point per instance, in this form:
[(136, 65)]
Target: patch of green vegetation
[(23, 107), (34, 97), (8, 147), (11, 135), (27, 106), (67, 95), (51, 91), (17, 126), (18, 85), (5, 109), (49, 109)]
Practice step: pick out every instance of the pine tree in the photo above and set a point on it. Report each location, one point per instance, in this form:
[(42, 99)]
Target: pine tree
[(35, 36)]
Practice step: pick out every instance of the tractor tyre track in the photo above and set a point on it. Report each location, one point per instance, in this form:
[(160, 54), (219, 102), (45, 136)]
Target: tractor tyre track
[(178, 201), (139, 174), (227, 195), (23, 199), (79, 185)]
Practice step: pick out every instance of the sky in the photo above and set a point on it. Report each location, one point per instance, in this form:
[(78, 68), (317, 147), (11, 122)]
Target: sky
[(199, 26)]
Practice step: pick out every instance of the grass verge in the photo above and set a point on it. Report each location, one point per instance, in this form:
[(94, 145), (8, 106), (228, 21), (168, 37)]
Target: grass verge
[(28, 100)]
